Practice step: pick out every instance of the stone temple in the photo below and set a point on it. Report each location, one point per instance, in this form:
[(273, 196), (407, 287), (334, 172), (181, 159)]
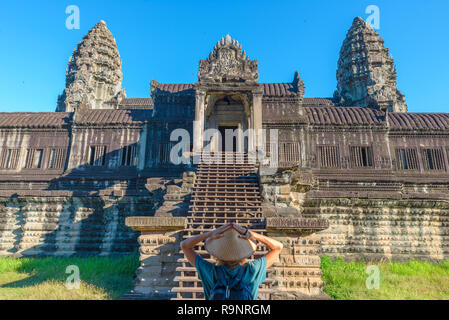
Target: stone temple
[(356, 175)]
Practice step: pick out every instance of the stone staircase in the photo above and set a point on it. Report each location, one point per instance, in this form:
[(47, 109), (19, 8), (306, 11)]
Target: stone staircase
[(226, 190)]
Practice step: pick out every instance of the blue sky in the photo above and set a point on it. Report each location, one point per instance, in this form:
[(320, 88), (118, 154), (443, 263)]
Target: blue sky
[(164, 40)]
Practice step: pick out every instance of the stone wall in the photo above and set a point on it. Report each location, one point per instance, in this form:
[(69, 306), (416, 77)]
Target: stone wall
[(64, 226), (376, 229), (366, 221), (297, 274), (159, 255), (159, 248)]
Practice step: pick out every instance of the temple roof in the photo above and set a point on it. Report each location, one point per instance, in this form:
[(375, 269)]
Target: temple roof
[(317, 113), (113, 117), (270, 89), (59, 119), (343, 116), (331, 115), (279, 89), (410, 121), (35, 119), (172, 88), (144, 103), (318, 101)]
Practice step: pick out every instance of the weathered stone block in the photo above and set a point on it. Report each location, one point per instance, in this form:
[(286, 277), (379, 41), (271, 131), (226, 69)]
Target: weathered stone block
[(156, 223), (295, 225)]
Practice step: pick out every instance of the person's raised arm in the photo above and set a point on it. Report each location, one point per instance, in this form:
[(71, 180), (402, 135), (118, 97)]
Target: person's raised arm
[(190, 243), (274, 247)]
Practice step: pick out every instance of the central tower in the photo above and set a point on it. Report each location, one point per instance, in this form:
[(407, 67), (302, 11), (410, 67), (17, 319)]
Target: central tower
[(227, 97)]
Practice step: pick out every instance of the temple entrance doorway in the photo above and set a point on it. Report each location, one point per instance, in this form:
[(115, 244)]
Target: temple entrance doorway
[(227, 133), (226, 116)]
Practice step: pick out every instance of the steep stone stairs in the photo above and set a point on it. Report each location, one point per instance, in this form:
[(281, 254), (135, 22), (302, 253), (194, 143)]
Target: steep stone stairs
[(227, 191)]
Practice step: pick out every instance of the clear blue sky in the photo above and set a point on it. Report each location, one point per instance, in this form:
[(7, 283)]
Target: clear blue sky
[(164, 40)]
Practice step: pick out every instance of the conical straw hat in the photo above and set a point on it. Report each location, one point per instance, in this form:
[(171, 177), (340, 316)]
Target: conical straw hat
[(230, 247)]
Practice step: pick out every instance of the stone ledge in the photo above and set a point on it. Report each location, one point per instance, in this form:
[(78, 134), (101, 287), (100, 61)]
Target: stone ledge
[(292, 225), (156, 223)]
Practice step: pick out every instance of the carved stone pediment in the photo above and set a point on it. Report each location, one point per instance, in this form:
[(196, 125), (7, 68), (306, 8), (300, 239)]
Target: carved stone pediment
[(228, 63)]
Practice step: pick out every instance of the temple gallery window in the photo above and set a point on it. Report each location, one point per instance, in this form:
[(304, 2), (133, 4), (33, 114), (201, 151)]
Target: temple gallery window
[(34, 158), (56, 159), (289, 152), (329, 156), (97, 156), (9, 158), (407, 159), (161, 152), (129, 156), (433, 159), (361, 157)]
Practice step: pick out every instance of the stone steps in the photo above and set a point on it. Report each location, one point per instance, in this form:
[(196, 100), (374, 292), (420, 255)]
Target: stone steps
[(229, 192)]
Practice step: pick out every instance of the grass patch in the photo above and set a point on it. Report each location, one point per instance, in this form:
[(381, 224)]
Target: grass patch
[(413, 280), (102, 278), (108, 278)]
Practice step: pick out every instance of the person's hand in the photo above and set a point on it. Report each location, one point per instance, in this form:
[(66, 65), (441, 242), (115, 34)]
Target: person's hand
[(218, 233), (244, 232)]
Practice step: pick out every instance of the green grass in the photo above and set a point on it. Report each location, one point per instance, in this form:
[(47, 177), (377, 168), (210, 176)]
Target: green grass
[(104, 278), (414, 280), (101, 278)]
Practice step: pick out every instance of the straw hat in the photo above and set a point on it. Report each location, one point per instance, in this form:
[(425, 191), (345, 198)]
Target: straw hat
[(230, 247)]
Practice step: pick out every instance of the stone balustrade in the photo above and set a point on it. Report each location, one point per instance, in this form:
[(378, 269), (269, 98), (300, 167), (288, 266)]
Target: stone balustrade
[(159, 248)]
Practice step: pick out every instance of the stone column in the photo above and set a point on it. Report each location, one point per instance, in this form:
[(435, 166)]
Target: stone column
[(257, 109), (255, 122), (198, 129), (297, 274), (159, 252), (251, 136), (257, 118), (240, 142), (141, 147)]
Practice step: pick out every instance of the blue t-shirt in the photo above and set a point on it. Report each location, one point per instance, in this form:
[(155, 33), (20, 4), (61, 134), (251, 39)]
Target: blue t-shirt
[(255, 274)]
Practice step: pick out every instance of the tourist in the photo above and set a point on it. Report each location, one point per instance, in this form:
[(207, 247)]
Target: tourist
[(233, 277)]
